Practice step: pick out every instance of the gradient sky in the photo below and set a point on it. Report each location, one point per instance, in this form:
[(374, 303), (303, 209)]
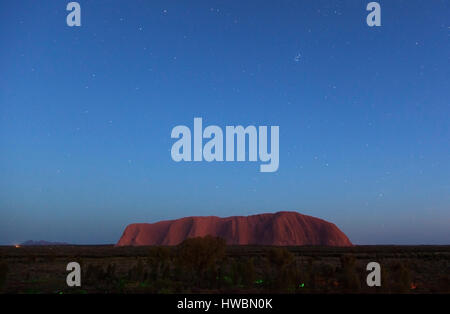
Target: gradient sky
[(86, 115)]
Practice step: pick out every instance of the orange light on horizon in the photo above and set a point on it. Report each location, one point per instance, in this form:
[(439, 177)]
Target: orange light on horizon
[(16, 245)]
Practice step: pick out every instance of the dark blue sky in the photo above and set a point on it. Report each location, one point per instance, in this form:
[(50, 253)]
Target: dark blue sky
[(86, 114)]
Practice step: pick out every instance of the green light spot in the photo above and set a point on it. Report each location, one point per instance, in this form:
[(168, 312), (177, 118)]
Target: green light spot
[(302, 285)]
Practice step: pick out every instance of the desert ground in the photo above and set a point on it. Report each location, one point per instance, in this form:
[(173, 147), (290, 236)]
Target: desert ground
[(209, 266)]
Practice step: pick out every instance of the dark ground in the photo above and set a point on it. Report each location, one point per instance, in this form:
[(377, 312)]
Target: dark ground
[(231, 269)]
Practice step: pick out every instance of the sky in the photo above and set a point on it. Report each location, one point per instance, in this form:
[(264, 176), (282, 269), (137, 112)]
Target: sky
[(86, 115)]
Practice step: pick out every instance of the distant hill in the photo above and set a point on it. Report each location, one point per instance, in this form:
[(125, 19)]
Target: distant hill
[(282, 228), (41, 243)]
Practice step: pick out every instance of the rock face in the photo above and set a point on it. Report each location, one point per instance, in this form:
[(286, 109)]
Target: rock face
[(282, 228)]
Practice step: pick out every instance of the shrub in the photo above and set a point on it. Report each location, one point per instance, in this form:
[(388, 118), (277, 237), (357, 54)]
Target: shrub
[(159, 261), (280, 270), (94, 274), (400, 277), (4, 269), (137, 272), (279, 257), (98, 276), (348, 274), (444, 283), (247, 272), (200, 255)]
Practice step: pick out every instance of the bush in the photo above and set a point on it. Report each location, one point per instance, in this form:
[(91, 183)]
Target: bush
[(280, 273), (247, 272), (200, 255), (400, 277), (444, 283), (279, 257), (159, 261), (348, 274), (96, 275), (4, 269), (137, 272)]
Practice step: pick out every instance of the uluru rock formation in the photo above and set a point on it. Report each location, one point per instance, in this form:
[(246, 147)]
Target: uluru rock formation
[(282, 228)]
